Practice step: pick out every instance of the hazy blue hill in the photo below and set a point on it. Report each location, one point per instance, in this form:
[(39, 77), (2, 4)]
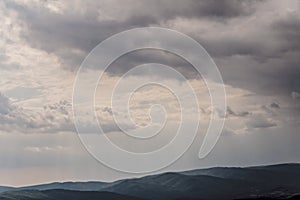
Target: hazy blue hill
[(63, 195), (3, 188), (263, 182), (292, 169), (79, 186), (276, 181), (22, 195), (248, 172), (175, 185), (266, 177)]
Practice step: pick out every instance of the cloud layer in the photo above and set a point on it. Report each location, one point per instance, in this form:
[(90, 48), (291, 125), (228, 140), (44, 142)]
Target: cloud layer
[(42, 44)]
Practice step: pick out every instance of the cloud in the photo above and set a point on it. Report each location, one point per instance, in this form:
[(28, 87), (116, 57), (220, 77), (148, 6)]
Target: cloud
[(11, 116), (257, 52), (274, 105), (62, 107), (108, 110), (5, 106), (54, 118), (230, 112), (260, 121), (74, 33), (254, 44), (295, 95), (228, 132)]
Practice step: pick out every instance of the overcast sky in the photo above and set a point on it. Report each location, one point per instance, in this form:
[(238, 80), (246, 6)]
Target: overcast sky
[(255, 45)]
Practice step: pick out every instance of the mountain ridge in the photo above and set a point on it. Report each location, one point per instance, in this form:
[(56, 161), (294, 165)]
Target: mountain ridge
[(271, 181)]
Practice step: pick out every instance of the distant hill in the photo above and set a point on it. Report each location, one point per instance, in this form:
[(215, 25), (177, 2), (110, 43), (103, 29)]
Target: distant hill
[(263, 182), (78, 186), (63, 195), (3, 188)]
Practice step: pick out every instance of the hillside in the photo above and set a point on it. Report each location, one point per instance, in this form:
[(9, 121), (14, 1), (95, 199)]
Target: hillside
[(271, 182)]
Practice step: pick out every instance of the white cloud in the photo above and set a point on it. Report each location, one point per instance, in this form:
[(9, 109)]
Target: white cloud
[(54, 118)]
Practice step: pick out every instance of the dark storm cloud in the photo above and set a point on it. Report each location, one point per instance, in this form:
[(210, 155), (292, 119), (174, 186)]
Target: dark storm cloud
[(262, 56), (289, 28), (140, 57), (164, 10), (59, 34), (266, 61)]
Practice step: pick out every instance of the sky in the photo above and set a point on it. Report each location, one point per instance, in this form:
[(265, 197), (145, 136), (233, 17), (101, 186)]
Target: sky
[(255, 45)]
